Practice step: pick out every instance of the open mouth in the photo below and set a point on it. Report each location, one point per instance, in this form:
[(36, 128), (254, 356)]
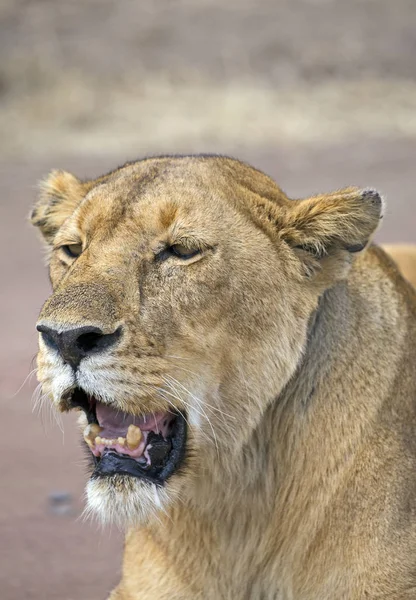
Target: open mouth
[(150, 447)]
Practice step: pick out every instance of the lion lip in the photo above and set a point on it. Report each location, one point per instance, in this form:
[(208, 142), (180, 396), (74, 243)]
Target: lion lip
[(150, 447), (161, 459), (128, 434)]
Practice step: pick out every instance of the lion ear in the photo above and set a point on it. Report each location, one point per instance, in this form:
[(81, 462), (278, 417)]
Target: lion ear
[(327, 229), (60, 194)]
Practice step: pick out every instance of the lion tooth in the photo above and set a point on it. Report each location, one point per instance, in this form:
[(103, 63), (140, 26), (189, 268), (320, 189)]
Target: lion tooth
[(91, 432), (133, 437), (108, 442), (121, 441), (98, 440)]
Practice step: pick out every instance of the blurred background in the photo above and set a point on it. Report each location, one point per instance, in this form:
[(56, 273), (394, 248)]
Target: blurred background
[(318, 93)]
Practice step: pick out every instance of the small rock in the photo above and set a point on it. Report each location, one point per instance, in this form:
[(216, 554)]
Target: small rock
[(60, 503)]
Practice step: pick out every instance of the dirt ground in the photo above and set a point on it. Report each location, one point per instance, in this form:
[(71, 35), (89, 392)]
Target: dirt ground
[(48, 552), (98, 77)]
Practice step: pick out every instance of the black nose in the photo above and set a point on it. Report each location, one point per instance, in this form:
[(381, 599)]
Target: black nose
[(75, 344)]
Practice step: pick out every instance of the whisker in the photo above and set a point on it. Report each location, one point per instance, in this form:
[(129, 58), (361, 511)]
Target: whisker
[(162, 392), (41, 402), (203, 413), (199, 399), (249, 399), (37, 397), (28, 376), (187, 370)]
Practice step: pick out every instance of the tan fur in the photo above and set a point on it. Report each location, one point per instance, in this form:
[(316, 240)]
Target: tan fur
[(405, 257), (292, 349)]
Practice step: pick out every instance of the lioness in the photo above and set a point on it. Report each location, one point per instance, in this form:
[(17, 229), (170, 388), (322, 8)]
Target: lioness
[(244, 368), (405, 257)]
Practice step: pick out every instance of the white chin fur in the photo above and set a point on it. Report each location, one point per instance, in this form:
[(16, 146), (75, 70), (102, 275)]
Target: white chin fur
[(124, 501)]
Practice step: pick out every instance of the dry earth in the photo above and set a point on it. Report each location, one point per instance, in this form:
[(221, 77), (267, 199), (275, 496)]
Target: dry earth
[(105, 77)]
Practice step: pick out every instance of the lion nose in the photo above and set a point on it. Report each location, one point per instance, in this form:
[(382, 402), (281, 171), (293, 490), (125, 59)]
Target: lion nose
[(75, 344)]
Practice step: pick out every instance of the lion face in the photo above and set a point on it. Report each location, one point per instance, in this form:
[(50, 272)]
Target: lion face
[(182, 293)]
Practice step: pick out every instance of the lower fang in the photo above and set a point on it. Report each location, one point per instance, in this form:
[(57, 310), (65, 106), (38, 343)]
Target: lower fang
[(91, 432)]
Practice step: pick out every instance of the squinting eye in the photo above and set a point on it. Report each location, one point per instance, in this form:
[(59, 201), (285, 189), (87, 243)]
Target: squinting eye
[(182, 251), (72, 250)]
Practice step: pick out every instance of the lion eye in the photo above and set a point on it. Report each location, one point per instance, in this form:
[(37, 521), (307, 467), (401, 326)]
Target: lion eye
[(182, 251), (72, 250)]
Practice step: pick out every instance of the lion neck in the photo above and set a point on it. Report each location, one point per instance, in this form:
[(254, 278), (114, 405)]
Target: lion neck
[(299, 455)]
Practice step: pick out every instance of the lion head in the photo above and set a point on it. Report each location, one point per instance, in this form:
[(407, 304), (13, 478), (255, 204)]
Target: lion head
[(183, 288)]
